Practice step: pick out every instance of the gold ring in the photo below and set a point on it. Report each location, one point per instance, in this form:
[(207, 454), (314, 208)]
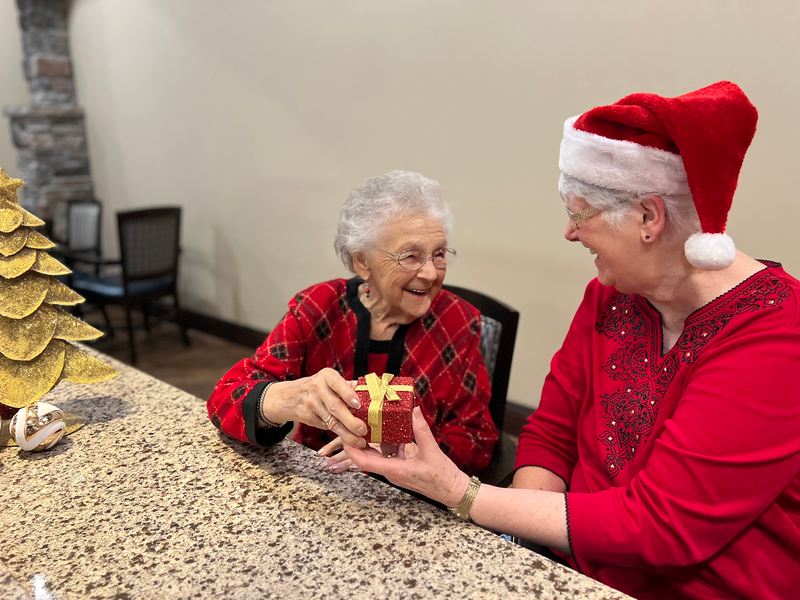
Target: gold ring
[(327, 421), (390, 455)]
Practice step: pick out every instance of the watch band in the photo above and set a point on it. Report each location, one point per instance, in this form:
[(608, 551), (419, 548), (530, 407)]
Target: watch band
[(463, 508)]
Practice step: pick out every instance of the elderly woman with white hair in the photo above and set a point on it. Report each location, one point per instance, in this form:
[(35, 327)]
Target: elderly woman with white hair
[(392, 317), (664, 457)]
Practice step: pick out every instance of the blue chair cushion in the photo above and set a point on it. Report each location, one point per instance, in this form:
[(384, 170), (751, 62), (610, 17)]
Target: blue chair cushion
[(111, 285)]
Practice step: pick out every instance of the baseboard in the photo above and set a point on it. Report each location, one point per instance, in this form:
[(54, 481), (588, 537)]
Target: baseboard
[(516, 417), (231, 332)]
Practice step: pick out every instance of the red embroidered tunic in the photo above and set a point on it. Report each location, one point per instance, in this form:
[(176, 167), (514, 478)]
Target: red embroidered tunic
[(683, 468), (327, 326)]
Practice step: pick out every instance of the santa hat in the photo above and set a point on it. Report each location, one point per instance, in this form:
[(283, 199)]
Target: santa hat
[(652, 145)]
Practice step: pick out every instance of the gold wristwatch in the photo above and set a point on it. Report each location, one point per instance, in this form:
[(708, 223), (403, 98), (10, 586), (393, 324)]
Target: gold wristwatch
[(463, 508)]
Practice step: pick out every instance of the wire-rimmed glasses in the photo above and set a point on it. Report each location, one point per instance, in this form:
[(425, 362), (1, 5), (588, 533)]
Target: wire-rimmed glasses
[(412, 260)]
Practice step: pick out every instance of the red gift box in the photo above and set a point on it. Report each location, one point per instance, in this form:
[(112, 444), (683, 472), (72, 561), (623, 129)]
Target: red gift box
[(386, 405)]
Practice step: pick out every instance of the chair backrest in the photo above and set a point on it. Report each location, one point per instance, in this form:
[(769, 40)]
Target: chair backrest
[(83, 225), (149, 242), (498, 337)]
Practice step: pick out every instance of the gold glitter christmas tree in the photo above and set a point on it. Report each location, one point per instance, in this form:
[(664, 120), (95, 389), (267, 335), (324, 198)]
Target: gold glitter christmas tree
[(35, 335)]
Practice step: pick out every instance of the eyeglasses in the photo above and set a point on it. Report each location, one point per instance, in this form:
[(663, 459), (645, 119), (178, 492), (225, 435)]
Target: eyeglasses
[(412, 260), (577, 217)]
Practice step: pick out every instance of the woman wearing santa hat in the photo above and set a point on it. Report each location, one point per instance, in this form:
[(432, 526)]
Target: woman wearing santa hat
[(664, 457)]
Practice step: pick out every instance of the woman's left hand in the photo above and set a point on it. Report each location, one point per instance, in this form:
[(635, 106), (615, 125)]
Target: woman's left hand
[(423, 468)]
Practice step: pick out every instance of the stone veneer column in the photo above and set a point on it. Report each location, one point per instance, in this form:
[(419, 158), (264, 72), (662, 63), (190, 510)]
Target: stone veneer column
[(50, 132)]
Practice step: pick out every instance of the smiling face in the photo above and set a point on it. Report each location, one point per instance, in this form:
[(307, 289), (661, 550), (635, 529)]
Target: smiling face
[(401, 295), (618, 255)]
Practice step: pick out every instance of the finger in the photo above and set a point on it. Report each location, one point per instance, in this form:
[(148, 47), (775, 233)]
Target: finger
[(336, 459), (337, 400), (337, 463), (331, 447), (341, 467), (407, 451), (341, 387), (369, 459), (422, 433), (352, 424), (331, 418)]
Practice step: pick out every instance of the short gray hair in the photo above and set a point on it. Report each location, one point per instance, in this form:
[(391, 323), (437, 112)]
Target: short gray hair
[(380, 200), (681, 213)]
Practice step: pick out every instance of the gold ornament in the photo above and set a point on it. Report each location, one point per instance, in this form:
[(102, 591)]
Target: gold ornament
[(17, 264), (11, 243), (38, 241), (38, 427), (9, 186), (35, 353)]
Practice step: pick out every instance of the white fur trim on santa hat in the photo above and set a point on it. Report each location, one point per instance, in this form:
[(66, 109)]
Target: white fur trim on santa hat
[(710, 251), (620, 165)]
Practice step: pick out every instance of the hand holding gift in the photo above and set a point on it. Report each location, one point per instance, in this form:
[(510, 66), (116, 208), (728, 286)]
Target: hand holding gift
[(386, 405)]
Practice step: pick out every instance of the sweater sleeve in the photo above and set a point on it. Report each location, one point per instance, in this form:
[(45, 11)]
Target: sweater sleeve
[(549, 439), (725, 456), (231, 406), (467, 433)]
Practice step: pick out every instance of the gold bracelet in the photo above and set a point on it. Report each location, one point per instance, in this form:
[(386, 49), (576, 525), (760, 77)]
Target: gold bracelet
[(260, 408), (463, 508)]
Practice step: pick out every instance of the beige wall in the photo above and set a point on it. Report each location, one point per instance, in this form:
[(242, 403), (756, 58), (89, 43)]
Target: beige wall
[(13, 87), (259, 117)]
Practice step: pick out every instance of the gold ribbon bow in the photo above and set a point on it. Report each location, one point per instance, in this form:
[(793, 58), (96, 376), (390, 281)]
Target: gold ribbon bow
[(380, 390)]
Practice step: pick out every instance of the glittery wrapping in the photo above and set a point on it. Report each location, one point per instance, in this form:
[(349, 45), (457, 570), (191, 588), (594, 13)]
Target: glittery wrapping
[(9, 186), (70, 328), (396, 423), (21, 296), (37, 240), (33, 355), (47, 265), (58, 293), (31, 220), (24, 382), (23, 339), (10, 216), (26, 338), (17, 264), (11, 243), (79, 367)]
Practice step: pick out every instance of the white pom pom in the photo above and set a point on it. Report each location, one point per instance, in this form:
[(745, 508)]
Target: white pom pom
[(38, 427), (710, 251)]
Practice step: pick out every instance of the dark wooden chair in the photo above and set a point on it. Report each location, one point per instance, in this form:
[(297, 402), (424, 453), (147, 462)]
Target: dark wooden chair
[(149, 242), (498, 337)]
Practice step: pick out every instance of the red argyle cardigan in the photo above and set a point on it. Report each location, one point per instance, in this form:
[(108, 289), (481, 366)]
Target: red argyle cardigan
[(327, 326)]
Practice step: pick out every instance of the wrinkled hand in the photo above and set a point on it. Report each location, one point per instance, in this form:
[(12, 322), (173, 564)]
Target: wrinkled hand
[(340, 462), (422, 467), (321, 401)]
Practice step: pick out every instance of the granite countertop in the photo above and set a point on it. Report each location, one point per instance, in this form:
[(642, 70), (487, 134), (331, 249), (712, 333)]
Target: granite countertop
[(149, 500)]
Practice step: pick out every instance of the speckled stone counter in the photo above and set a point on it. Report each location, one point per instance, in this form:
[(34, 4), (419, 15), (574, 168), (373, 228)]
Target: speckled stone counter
[(149, 500)]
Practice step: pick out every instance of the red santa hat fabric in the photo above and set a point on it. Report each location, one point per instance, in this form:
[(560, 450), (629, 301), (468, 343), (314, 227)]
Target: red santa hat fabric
[(654, 145)]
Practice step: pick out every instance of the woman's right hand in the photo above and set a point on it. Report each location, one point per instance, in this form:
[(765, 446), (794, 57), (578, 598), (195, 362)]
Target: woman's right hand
[(321, 401), (424, 468)]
